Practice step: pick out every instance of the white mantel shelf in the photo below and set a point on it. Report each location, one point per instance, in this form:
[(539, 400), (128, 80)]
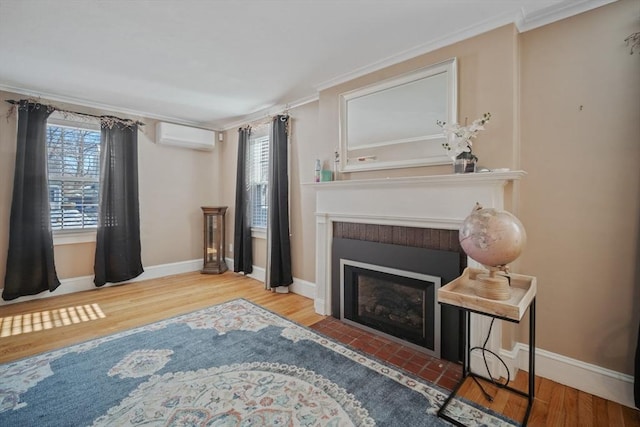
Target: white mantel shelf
[(436, 201), (453, 179)]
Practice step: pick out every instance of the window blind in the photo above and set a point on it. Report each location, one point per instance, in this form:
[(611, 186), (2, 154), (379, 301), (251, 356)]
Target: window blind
[(258, 168), (74, 176)]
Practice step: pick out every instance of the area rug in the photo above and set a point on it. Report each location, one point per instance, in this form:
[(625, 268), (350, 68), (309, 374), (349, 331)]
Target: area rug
[(233, 364)]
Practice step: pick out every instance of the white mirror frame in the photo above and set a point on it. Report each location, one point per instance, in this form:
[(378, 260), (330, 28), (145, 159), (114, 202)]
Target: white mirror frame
[(433, 93)]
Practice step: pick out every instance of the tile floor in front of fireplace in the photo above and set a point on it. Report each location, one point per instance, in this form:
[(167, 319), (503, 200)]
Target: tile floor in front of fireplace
[(441, 372)]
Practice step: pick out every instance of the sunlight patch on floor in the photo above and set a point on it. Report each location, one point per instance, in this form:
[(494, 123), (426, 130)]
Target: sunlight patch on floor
[(47, 319)]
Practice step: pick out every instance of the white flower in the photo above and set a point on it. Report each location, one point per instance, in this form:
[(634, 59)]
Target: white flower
[(459, 137)]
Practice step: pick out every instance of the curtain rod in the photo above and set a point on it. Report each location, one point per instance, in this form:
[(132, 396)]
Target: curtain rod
[(267, 119), (14, 102)]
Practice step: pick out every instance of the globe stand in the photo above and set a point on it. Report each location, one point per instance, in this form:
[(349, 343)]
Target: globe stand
[(494, 238), (493, 286)]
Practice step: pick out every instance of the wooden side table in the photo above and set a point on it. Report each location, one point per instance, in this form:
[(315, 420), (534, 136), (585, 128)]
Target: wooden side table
[(461, 294), (214, 240)]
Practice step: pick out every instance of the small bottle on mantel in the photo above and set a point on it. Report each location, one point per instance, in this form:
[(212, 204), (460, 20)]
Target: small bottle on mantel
[(317, 170), (336, 164)]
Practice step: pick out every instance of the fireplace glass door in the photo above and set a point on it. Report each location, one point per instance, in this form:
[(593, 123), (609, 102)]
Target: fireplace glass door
[(400, 305)]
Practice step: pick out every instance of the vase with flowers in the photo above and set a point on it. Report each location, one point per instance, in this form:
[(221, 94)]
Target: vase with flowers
[(459, 143)]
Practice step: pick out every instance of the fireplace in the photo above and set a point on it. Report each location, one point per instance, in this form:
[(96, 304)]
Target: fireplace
[(397, 273), (434, 206), (398, 304)]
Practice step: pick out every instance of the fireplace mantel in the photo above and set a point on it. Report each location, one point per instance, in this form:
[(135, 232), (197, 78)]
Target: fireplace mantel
[(437, 201)]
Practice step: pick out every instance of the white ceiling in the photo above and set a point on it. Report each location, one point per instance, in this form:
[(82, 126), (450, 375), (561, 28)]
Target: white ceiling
[(218, 62)]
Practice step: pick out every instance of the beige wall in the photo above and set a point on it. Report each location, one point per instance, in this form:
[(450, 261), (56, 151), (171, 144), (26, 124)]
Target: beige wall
[(304, 150), (173, 184), (580, 200)]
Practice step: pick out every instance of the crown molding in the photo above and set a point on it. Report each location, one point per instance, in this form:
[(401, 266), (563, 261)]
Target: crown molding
[(449, 39), (523, 20), (99, 106), (145, 114), (548, 15)]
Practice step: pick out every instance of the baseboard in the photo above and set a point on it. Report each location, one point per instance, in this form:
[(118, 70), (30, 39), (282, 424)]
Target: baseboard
[(301, 287), (477, 363), (258, 273), (170, 269), (85, 283), (304, 288), (593, 379)]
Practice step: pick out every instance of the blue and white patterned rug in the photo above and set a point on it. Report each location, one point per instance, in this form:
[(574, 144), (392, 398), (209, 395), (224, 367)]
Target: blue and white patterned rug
[(233, 364)]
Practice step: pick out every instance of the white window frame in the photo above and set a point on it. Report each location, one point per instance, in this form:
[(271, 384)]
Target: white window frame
[(81, 235)]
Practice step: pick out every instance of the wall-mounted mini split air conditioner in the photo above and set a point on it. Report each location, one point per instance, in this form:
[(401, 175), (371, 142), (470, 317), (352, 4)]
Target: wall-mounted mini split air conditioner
[(185, 136)]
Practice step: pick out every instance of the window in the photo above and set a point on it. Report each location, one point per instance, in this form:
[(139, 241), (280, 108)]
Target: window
[(258, 175), (73, 154)]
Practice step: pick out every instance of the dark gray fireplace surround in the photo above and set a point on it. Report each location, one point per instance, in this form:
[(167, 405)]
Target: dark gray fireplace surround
[(446, 264)]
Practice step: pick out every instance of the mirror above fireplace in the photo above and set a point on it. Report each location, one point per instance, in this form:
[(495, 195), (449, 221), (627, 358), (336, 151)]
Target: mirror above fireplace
[(392, 124)]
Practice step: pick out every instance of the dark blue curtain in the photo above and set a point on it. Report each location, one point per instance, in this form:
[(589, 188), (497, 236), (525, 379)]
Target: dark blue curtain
[(118, 257), (30, 264), (279, 242), (242, 244)]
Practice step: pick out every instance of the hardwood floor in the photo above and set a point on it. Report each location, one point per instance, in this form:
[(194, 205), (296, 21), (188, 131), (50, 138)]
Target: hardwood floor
[(145, 302), (140, 303)]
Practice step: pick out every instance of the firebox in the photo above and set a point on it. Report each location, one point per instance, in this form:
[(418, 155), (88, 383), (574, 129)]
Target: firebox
[(398, 304), (382, 269)]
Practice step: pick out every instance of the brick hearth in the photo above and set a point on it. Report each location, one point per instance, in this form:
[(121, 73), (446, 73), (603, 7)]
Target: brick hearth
[(441, 372)]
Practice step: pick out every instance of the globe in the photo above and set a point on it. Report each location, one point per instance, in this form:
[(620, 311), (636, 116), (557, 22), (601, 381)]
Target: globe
[(492, 237)]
